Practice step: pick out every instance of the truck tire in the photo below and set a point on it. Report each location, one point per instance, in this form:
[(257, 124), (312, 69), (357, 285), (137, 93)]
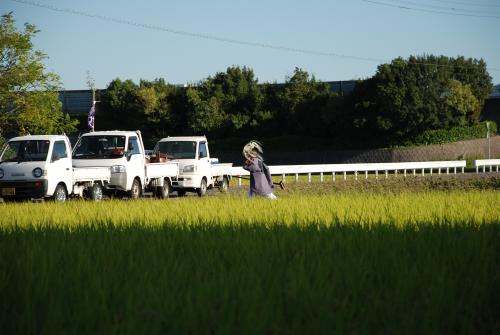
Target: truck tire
[(135, 190), (60, 194), (203, 188), (224, 185), (96, 192), (163, 191)]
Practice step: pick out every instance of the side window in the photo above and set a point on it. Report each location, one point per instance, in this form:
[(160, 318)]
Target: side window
[(133, 146), (203, 150), (59, 150)]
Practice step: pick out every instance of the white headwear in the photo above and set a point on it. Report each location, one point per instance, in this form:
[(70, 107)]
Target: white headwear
[(253, 149)]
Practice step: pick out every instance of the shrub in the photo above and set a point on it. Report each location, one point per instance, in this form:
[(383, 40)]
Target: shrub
[(441, 136)]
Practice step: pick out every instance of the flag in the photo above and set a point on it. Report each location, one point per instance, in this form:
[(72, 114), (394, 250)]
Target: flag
[(91, 117)]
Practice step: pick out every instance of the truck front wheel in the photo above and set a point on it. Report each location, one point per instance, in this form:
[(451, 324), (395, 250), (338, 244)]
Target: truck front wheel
[(96, 192), (163, 191), (203, 188), (60, 194), (135, 190), (224, 185)]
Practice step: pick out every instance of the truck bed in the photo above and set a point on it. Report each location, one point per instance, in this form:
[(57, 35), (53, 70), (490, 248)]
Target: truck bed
[(157, 170), (91, 174), (221, 169)]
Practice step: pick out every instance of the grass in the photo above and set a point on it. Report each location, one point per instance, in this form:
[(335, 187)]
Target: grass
[(311, 262)]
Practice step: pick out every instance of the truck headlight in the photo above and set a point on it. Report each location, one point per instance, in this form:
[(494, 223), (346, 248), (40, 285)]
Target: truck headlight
[(37, 172), (189, 168), (118, 169), (1, 173)]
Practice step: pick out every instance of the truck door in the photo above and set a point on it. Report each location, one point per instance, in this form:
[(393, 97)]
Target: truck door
[(204, 162), (135, 162), (59, 167)]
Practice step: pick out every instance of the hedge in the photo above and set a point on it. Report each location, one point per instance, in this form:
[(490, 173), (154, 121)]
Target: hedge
[(441, 136)]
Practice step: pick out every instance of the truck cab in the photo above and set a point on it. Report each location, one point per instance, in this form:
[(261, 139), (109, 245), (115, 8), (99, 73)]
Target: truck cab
[(197, 170), (123, 153), (35, 167)]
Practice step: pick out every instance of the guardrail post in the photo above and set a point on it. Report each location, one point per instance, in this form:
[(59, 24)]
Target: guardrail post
[(484, 168), (321, 176), (423, 172), (296, 177), (386, 174), (463, 169), (490, 168), (439, 171), (239, 181), (477, 169), (355, 175), (414, 172), (366, 174), (447, 170), (404, 172), (395, 173), (283, 178), (431, 171), (345, 175), (497, 168), (455, 170), (333, 176), (376, 174)]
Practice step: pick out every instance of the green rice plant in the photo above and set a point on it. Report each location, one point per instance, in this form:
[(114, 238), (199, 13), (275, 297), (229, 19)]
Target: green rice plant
[(424, 262)]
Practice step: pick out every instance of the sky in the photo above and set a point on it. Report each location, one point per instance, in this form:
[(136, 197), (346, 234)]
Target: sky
[(187, 41)]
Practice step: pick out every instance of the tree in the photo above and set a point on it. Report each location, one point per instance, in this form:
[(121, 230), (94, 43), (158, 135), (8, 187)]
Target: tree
[(120, 107), (407, 97), (227, 103), (303, 100), (28, 93)]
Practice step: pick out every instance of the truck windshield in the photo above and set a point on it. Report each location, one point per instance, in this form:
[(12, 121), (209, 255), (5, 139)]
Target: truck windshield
[(178, 149), (25, 151), (99, 147)]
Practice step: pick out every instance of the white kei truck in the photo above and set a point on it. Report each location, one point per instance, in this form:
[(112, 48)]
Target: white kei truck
[(197, 171), (123, 153), (39, 166)]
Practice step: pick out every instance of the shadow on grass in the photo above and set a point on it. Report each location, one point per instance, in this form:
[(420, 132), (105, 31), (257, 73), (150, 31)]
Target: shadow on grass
[(251, 279)]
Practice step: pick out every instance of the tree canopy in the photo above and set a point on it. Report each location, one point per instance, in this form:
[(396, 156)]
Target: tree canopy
[(28, 93), (402, 100)]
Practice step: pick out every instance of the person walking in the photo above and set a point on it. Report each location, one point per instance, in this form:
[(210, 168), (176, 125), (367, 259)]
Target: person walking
[(261, 183)]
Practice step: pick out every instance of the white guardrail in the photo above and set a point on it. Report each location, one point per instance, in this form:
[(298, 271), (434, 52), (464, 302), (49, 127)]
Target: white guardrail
[(365, 168), (486, 162)]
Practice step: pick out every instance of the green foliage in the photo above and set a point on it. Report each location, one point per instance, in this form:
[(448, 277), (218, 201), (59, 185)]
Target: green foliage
[(462, 133), (302, 102), (404, 99), (407, 97), (226, 103), (28, 93), (145, 107)]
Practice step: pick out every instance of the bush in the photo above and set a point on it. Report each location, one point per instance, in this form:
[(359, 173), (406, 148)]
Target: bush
[(441, 136)]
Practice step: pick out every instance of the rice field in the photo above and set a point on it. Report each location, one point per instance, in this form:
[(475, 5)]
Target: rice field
[(310, 262)]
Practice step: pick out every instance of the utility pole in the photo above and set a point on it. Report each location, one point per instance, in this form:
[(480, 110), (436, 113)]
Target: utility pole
[(92, 113), (489, 139)]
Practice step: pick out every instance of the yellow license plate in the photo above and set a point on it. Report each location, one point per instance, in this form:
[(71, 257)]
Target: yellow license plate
[(8, 191)]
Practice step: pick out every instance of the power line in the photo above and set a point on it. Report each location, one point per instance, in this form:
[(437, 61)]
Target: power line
[(442, 7), (216, 38), (473, 4), (429, 10), (196, 35)]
